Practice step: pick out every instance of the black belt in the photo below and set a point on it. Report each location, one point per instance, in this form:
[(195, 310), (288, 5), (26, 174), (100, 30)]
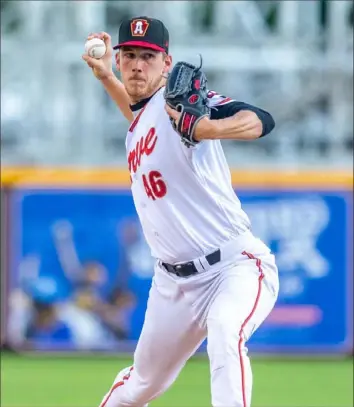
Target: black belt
[(189, 268)]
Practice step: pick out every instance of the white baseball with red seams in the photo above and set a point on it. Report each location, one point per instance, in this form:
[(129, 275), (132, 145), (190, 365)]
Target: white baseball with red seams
[(188, 209), (95, 48)]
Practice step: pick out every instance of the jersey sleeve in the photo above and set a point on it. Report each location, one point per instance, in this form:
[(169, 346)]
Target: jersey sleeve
[(223, 107), (216, 99)]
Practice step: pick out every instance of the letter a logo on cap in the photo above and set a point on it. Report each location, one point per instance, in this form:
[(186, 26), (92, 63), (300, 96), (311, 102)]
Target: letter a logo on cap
[(139, 28)]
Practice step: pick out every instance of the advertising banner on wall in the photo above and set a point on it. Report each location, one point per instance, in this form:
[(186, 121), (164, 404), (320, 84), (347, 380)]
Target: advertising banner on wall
[(80, 270)]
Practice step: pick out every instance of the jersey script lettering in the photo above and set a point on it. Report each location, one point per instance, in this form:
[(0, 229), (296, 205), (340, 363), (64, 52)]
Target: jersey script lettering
[(145, 146)]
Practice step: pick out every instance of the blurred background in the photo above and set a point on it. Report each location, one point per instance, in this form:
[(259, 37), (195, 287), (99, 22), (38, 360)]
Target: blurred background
[(75, 268)]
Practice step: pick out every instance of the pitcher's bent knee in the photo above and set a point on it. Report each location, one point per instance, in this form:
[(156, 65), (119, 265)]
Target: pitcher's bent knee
[(223, 340)]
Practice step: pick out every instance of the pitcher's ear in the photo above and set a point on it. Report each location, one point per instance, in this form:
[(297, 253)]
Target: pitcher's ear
[(168, 63)]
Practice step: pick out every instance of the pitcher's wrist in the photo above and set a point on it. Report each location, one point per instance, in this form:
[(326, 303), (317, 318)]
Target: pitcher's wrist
[(108, 77)]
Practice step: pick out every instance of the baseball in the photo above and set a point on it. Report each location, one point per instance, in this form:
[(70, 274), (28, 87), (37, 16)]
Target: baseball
[(95, 48)]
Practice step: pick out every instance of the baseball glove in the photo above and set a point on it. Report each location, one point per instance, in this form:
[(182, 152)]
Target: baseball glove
[(186, 92)]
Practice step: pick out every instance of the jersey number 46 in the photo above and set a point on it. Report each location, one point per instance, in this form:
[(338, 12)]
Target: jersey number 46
[(154, 185)]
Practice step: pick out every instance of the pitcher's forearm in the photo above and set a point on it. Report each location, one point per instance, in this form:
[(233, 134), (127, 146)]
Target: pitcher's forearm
[(117, 92)]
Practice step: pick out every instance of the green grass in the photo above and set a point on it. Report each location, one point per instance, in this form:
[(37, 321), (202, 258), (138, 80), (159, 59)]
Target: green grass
[(82, 382)]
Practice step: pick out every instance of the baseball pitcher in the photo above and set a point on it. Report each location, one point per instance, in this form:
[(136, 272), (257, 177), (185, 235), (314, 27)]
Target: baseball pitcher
[(213, 278)]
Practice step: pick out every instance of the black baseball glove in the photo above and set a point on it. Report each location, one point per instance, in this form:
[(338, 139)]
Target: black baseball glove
[(186, 92)]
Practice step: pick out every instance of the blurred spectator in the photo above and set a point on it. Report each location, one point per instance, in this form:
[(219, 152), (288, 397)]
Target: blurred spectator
[(46, 330), (100, 308), (19, 316), (82, 313), (93, 278), (45, 327), (132, 284), (116, 314), (91, 274)]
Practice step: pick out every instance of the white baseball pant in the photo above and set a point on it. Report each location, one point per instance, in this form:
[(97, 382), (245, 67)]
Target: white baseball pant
[(225, 302)]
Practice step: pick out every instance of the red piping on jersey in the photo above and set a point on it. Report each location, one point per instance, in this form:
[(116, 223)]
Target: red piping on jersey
[(240, 342), (135, 121), (224, 101), (119, 384)]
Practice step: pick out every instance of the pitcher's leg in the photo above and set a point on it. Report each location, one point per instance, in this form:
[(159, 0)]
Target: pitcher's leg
[(168, 339), (242, 303)]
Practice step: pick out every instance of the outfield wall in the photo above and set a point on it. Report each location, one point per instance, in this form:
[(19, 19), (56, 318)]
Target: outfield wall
[(61, 221)]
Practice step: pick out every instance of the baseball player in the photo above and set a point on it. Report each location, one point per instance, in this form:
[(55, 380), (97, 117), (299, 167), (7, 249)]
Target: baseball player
[(213, 278)]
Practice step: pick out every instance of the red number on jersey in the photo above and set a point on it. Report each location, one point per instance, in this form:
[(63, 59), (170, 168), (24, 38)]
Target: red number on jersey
[(154, 185), (157, 184), (147, 188)]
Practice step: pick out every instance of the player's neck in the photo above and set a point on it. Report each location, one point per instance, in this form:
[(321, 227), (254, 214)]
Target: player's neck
[(139, 104)]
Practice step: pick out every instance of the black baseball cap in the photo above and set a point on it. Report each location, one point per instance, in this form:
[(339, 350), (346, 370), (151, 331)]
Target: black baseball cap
[(143, 32)]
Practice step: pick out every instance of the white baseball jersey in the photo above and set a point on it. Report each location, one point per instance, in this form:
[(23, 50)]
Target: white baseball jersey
[(183, 196), (187, 209)]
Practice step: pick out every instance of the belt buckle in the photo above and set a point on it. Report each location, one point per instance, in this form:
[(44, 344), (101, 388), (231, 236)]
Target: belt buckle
[(176, 268), (189, 266)]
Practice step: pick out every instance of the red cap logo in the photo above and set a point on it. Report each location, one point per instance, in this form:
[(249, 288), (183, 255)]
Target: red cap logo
[(139, 28)]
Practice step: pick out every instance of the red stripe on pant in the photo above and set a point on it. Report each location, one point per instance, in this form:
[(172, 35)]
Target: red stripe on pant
[(260, 278), (115, 386)]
